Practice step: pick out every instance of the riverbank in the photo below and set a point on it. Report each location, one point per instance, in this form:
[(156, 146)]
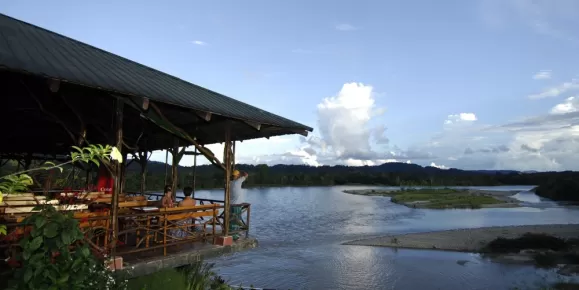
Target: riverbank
[(444, 198), (466, 240), (545, 246)]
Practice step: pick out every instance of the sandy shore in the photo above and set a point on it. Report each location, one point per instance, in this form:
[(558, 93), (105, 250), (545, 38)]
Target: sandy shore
[(466, 240)]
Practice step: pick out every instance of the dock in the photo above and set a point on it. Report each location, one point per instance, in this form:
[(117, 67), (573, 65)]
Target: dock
[(151, 262)]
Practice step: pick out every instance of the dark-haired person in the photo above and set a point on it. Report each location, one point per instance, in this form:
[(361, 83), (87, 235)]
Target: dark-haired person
[(167, 200), (188, 200), (186, 225)]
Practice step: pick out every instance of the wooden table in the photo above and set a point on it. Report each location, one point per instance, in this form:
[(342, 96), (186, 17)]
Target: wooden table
[(147, 220)]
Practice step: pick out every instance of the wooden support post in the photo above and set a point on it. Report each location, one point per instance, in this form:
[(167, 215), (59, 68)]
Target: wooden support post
[(227, 163), (87, 178), (194, 171), (117, 180), (177, 156), (143, 160), (233, 155), (124, 170), (166, 165), (174, 165), (27, 161)]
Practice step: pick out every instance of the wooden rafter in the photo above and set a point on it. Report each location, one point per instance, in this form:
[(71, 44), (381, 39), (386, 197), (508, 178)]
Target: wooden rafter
[(206, 152), (41, 107), (82, 133), (205, 116)]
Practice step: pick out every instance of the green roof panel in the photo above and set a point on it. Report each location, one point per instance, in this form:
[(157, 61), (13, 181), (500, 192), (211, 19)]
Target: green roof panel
[(28, 48)]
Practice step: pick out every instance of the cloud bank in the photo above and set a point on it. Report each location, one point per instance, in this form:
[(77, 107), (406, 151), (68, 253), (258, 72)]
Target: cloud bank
[(349, 131)]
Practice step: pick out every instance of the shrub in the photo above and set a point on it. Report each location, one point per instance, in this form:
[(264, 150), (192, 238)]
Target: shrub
[(54, 256), (527, 241), (197, 276)]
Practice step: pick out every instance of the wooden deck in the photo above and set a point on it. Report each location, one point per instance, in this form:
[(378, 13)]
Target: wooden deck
[(145, 263), (151, 237)]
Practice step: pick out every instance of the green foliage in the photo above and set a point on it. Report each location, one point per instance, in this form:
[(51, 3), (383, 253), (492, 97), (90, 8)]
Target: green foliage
[(562, 189), (198, 276), (391, 174), (53, 252), (527, 241), (54, 256), (15, 183), (442, 198), (91, 153)]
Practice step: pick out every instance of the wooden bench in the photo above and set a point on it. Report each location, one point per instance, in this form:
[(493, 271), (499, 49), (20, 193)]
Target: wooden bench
[(97, 228), (183, 219)]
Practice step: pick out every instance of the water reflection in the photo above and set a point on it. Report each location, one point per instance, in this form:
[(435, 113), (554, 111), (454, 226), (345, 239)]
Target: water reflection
[(300, 231)]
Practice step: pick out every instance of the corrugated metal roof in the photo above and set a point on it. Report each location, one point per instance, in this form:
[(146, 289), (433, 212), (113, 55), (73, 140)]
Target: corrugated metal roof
[(25, 47)]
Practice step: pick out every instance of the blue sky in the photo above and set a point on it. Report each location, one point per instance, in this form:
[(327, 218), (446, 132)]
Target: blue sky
[(352, 68)]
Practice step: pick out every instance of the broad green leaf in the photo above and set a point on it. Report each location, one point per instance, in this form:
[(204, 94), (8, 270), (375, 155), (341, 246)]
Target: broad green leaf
[(66, 237), (40, 221), (36, 243), (38, 207), (26, 254), (28, 275), (77, 262), (35, 232), (77, 148), (63, 279), (96, 162), (51, 230), (85, 252)]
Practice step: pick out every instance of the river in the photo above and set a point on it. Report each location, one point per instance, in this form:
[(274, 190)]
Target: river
[(300, 231)]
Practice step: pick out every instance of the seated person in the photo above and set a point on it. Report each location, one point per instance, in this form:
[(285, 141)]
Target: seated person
[(167, 200), (188, 200)]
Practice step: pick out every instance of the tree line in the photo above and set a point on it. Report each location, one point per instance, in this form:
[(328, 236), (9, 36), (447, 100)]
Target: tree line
[(389, 174), (554, 185)]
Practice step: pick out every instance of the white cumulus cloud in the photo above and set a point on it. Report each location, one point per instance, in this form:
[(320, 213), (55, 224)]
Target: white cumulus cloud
[(346, 134), (346, 27), (542, 75), (462, 117), (571, 104), (557, 90), (199, 42), (432, 164)]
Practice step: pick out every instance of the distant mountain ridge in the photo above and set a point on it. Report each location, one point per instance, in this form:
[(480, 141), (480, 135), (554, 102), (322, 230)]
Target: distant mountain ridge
[(391, 167)]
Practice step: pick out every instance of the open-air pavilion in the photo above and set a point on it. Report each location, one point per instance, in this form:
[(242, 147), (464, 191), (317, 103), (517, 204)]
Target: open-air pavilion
[(57, 92)]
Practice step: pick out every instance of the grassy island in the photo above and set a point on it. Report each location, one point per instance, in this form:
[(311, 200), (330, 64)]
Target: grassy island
[(443, 198)]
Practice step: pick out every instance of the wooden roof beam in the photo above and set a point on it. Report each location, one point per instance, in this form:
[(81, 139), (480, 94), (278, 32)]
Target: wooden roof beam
[(254, 125), (206, 116)]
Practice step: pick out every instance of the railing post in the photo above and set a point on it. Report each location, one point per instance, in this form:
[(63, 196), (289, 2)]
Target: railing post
[(116, 176), (227, 161), (248, 217)]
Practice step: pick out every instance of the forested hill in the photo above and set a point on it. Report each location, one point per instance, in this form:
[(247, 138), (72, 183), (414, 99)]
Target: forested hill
[(395, 174)]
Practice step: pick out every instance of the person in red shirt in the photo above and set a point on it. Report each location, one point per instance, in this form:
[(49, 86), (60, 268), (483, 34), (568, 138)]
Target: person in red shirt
[(105, 181)]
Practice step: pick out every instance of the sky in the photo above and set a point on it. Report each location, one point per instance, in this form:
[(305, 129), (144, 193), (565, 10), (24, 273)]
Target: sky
[(479, 84)]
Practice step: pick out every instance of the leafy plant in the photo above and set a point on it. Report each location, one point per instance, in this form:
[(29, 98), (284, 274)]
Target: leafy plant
[(15, 183), (54, 255), (197, 276)]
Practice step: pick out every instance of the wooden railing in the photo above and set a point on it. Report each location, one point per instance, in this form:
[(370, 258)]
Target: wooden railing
[(143, 227), (239, 220)]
